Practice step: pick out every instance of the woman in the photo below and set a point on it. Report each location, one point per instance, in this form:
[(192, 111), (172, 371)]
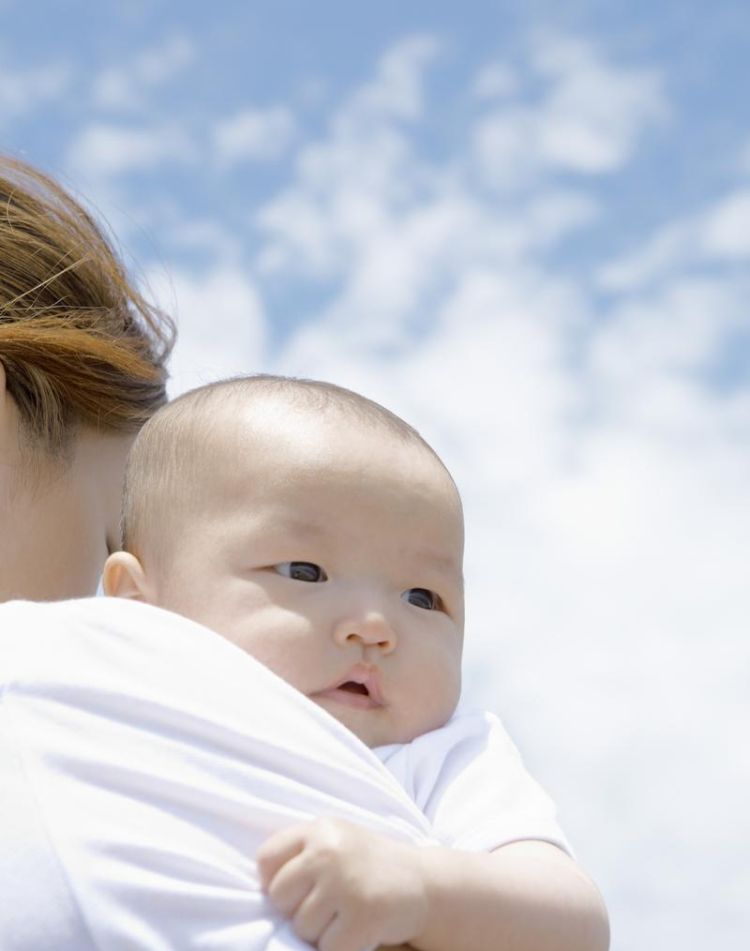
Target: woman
[(82, 367)]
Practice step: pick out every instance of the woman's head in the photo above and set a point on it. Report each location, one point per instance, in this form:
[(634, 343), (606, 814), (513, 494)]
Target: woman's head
[(82, 367)]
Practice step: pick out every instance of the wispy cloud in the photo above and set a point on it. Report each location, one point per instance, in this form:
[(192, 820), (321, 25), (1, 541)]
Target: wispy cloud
[(715, 234), (586, 117), (103, 150), (259, 135), (727, 233), (396, 92), (24, 90), (222, 323), (496, 81), (125, 87)]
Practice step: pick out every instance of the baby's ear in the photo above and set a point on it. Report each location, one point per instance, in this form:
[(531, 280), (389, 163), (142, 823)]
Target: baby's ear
[(123, 577)]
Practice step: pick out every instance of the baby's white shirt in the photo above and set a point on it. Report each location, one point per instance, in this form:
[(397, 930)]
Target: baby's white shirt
[(469, 781)]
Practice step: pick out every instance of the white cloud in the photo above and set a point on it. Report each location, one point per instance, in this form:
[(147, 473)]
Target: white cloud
[(587, 120), (397, 92), (164, 62), (727, 228), (717, 233), (205, 236), (347, 182), (496, 81), (103, 150), (351, 199), (674, 331), (673, 244), (254, 134), (345, 187), (22, 91), (126, 87), (211, 309)]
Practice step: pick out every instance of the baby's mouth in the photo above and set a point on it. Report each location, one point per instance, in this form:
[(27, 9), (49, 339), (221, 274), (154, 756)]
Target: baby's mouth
[(352, 686), (360, 689)]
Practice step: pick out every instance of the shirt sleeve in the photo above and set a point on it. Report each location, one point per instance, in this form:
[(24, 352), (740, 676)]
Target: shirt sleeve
[(470, 782)]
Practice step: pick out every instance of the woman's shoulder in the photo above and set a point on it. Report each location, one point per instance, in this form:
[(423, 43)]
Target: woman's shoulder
[(33, 633), (34, 615), (95, 638), (28, 628)]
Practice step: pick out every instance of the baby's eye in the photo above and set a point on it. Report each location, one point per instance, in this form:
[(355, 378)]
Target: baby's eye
[(301, 571), (422, 598)]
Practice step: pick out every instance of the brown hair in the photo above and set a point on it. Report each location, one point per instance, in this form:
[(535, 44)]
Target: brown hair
[(165, 464), (79, 344)]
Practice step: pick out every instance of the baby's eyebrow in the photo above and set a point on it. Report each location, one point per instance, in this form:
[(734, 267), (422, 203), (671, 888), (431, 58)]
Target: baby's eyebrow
[(303, 527), (445, 564)]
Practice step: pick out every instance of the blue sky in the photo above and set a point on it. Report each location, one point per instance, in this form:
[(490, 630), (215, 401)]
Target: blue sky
[(526, 228)]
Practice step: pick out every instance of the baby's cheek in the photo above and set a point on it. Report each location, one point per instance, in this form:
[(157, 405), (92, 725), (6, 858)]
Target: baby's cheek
[(452, 686), (439, 696), (287, 650), (450, 695)]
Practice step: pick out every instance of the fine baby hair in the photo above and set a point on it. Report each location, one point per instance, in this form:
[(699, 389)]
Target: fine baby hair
[(171, 448)]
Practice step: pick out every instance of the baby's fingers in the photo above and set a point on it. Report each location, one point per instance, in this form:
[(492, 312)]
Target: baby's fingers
[(290, 886), (313, 916), (277, 850), (342, 935)]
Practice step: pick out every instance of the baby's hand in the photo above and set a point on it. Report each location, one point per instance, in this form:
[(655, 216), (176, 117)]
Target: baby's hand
[(343, 887)]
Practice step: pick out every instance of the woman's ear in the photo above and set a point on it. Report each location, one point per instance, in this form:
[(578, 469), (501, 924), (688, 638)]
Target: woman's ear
[(4, 394), (123, 577), (8, 415)]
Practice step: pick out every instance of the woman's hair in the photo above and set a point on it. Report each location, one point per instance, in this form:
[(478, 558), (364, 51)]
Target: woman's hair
[(79, 344)]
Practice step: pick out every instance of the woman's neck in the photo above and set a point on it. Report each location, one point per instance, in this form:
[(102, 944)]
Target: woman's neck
[(57, 519)]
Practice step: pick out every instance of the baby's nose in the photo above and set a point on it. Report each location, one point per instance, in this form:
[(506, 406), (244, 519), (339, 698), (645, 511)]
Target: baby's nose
[(371, 629)]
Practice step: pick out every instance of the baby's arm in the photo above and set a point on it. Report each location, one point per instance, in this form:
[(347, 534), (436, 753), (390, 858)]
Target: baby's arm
[(345, 889), (528, 896)]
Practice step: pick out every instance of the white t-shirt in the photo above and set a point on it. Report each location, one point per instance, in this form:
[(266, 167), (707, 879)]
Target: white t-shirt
[(468, 779), (143, 760)]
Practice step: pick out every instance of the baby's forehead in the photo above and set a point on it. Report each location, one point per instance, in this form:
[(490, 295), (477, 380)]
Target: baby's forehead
[(275, 441), (279, 429), (277, 438)]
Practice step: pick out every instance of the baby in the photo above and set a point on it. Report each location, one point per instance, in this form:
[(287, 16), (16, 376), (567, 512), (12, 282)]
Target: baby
[(321, 534)]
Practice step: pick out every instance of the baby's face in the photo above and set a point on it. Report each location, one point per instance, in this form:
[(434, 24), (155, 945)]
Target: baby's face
[(332, 553)]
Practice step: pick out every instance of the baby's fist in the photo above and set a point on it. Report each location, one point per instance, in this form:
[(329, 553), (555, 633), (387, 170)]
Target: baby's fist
[(343, 887)]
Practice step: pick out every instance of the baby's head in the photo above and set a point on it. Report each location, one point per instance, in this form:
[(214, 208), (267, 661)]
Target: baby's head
[(315, 530)]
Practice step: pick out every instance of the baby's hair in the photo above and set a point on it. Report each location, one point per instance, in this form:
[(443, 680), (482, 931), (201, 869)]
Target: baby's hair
[(78, 343), (165, 459)]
